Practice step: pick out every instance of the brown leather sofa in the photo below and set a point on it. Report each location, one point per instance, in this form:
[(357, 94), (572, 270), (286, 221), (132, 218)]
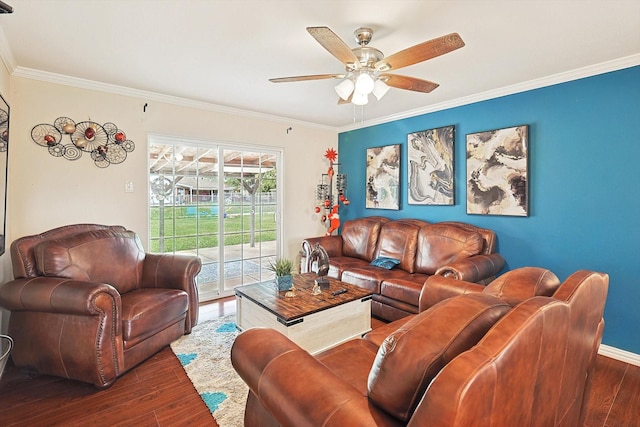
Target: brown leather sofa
[(469, 360), (451, 249), (88, 304)]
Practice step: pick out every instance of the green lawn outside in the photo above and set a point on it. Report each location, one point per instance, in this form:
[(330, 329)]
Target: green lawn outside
[(191, 227)]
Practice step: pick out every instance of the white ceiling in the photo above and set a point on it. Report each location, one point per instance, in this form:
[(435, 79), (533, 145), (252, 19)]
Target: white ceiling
[(223, 52)]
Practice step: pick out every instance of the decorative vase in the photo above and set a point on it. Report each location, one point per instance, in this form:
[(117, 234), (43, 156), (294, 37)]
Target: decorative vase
[(285, 283)]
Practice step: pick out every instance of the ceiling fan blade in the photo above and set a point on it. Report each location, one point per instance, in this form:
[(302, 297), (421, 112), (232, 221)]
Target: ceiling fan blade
[(408, 83), (304, 78), (334, 44), (421, 52)]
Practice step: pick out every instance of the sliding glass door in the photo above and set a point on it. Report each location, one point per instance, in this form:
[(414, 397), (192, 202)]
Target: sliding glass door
[(218, 202)]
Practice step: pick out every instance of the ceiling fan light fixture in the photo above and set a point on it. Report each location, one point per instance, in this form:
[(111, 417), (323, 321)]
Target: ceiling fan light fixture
[(344, 89), (360, 98), (380, 89), (364, 83), (366, 66)]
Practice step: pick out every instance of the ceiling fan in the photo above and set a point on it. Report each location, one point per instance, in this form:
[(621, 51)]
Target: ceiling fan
[(366, 66)]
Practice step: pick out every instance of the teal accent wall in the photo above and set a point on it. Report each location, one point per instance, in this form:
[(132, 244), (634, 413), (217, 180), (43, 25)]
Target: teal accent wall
[(584, 183)]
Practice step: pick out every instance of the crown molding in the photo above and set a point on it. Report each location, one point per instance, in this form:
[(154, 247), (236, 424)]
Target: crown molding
[(30, 73), (592, 70), (589, 71)]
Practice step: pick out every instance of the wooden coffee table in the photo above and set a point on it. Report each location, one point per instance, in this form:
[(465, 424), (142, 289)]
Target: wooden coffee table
[(314, 322)]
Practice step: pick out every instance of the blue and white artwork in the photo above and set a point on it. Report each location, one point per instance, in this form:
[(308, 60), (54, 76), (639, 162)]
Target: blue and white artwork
[(383, 177), (497, 178), (430, 166)]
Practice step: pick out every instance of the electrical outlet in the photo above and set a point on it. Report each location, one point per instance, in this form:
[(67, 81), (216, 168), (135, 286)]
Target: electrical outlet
[(128, 187)]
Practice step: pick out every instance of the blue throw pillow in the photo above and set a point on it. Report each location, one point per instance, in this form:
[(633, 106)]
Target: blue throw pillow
[(385, 262)]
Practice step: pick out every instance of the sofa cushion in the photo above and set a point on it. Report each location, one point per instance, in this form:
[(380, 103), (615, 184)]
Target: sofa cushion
[(145, 312), (411, 357), (370, 277), (439, 245), (337, 265), (23, 249), (104, 256), (351, 361), (405, 288), (360, 237), (488, 236), (398, 240)]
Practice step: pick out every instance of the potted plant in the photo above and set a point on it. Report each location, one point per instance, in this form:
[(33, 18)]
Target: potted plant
[(282, 268)]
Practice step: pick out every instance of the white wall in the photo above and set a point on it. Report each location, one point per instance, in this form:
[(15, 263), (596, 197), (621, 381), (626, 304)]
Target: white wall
[(47, 192), (4, 274)]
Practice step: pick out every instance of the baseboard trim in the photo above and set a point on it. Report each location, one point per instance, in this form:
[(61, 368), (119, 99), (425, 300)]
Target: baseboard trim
[(621, 355)]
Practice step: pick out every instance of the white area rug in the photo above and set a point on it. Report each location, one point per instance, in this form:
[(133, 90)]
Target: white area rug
[(205, 355)]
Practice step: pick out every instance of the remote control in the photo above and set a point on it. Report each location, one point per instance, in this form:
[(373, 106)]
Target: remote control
[(339, 291)]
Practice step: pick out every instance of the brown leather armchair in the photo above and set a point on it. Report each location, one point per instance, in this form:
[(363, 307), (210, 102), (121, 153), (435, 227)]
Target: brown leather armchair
[(469, 360), (88, 304)]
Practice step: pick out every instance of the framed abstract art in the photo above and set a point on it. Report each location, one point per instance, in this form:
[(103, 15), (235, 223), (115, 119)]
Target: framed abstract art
[(497, 172), (430, 166), (383, 177)]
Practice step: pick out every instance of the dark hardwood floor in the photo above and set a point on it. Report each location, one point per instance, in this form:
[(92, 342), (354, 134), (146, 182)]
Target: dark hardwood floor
[(158, 393)]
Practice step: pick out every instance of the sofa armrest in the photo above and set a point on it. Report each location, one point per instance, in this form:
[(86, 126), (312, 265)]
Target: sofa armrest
[(174, 271), (438, 288), (67, 328), (331, 244), (293, 386), (474, 269), (60, 296)]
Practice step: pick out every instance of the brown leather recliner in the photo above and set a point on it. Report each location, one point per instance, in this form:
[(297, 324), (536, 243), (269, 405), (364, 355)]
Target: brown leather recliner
[(461, 362), (88, 304)]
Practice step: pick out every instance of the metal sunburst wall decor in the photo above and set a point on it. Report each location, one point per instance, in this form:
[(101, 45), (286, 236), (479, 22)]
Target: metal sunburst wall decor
[(105, 143), (324, 194)]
